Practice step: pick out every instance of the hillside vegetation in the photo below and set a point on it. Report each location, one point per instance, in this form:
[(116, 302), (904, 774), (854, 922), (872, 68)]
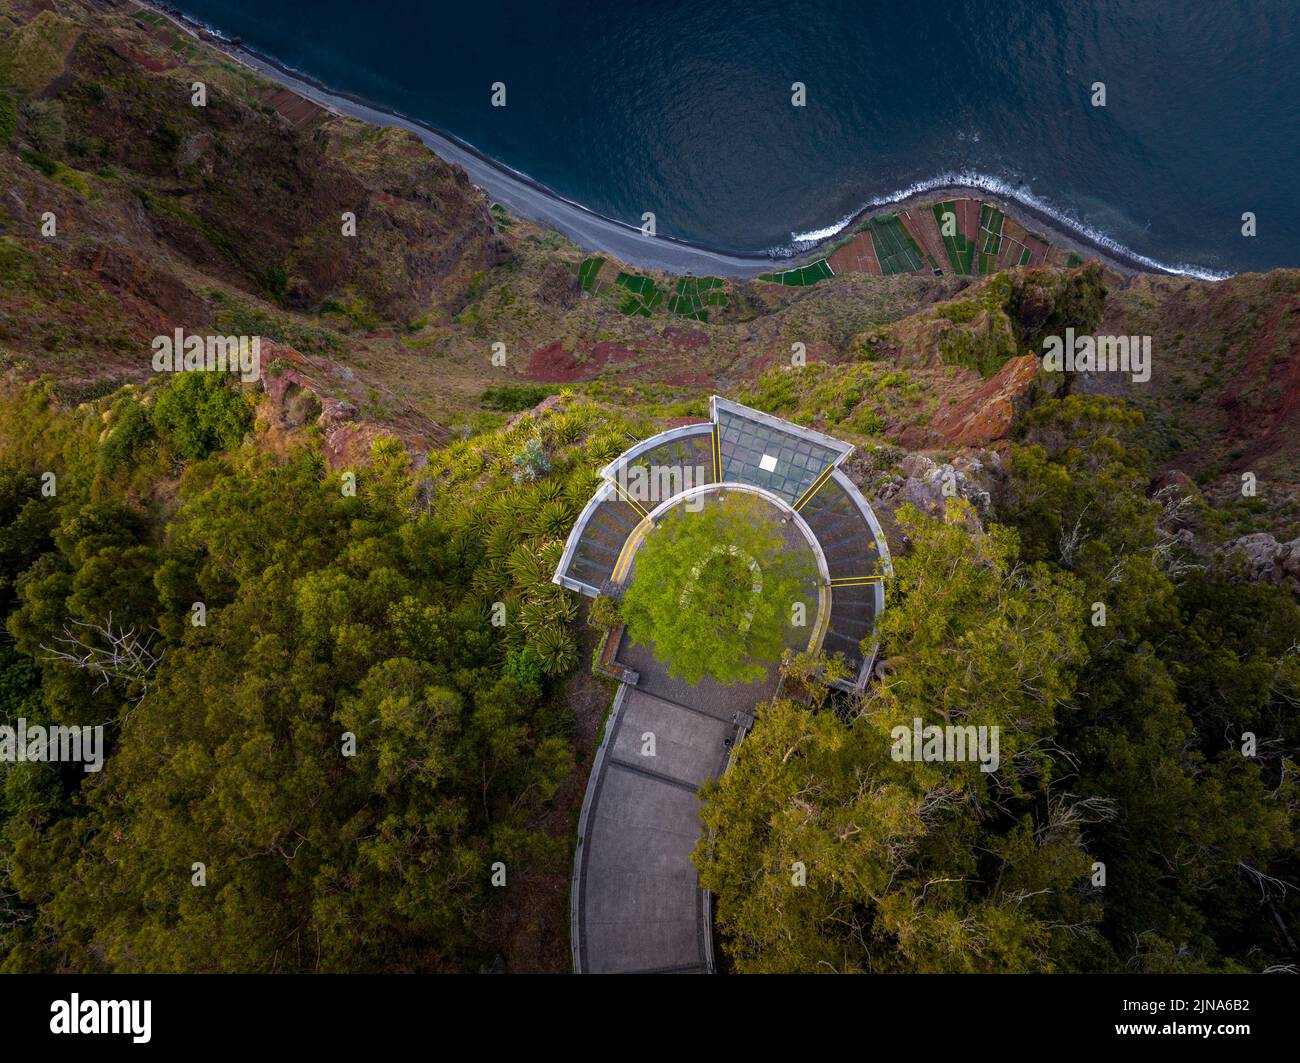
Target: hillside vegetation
[(314, 613)]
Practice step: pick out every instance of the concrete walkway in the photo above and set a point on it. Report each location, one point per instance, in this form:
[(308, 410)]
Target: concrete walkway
[(637, 905)]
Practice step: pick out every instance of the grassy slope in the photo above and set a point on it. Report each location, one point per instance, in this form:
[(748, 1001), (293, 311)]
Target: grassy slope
[(157, 228)]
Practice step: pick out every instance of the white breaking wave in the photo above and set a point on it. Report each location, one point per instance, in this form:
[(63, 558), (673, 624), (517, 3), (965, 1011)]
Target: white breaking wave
[(814, 236), (1000, 187)]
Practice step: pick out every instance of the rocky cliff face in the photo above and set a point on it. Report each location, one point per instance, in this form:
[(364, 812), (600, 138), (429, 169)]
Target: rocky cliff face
[(1225, 387), (231, 217), (155, 198)]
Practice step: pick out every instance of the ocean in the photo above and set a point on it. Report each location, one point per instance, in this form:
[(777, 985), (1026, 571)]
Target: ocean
[(683, 109)]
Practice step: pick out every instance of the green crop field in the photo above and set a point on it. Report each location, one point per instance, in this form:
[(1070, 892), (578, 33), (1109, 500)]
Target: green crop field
[(587, 273), (895, 248), (990, 230), (694, 295), (643, 295), (961, 252), (990, 238), (801, 276)]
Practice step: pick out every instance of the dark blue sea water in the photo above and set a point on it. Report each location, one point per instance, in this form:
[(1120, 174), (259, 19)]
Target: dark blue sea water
[(683, 108)]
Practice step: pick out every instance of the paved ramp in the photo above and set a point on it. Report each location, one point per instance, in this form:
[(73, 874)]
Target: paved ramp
[(637, 905)]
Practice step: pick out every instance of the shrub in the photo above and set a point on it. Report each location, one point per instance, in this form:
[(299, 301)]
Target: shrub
[(524, 666), (512, 398), (531, 462), (202, 414), (131, 430), (604, 613), (8, 117)]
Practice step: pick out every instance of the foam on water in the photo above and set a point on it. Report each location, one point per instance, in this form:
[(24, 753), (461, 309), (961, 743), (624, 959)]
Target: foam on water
[(816, 236), (745, 173), (998, 186)]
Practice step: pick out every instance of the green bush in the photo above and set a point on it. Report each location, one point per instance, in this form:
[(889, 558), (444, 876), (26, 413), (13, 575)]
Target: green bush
[(132, 429), (524, 666), (531, 462), (512, 398), (202, 414), (604, 613), (47, 128), (40, 161)]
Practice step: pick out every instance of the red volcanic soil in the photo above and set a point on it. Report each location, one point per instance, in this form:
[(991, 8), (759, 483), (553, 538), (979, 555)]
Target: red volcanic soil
[(554, 365), (1038, 250), (609, 351), (298, 110), (968, 219), (147, 61), (857, 256), (685, 339), (985, 416), (1261, 398)]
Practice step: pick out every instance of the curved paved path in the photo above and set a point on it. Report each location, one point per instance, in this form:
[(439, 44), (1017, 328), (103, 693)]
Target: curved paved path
[(636, 902)]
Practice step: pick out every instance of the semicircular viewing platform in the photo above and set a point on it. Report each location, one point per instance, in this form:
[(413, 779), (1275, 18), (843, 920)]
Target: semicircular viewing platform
[(636, 902), (796, 466)]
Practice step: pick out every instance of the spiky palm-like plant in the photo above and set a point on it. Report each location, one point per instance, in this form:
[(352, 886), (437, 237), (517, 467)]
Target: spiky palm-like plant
[(556, 649), (554, 520)]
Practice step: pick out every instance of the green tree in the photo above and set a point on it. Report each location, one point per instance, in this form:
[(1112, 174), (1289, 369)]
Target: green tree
[(714, 590), (202, 413), (1181, 664), (825, 853)]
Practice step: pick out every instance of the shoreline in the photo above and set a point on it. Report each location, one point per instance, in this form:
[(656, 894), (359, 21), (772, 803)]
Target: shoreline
[(533, 201)]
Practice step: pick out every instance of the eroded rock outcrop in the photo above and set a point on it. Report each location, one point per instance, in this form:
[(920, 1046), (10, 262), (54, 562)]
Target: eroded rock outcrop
[(1266, 560)]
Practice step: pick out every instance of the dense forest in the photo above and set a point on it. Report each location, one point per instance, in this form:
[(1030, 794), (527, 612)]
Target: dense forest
[(323, 611), (1146, 812), (322, 712)]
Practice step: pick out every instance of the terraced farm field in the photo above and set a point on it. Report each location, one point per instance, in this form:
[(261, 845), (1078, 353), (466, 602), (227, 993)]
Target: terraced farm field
[(856, 256), (801, 276), (694, 295), (895, 249), (642, 296), (990, 238), (980, 240), (961, 251), (588, 272)]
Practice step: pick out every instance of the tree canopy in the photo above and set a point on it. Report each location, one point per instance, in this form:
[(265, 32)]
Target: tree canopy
[(1130, 825), (361, 760), (715, 590)]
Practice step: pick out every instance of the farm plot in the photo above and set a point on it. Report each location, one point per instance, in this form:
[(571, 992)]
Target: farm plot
[(589, 272), (920, 225), (990, 241), (895, 248), (858, 255), (801, 276), (641, 295), (961, 251), (694, 296)]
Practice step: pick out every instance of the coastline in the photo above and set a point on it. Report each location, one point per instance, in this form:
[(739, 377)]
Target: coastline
[(533, 201)]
